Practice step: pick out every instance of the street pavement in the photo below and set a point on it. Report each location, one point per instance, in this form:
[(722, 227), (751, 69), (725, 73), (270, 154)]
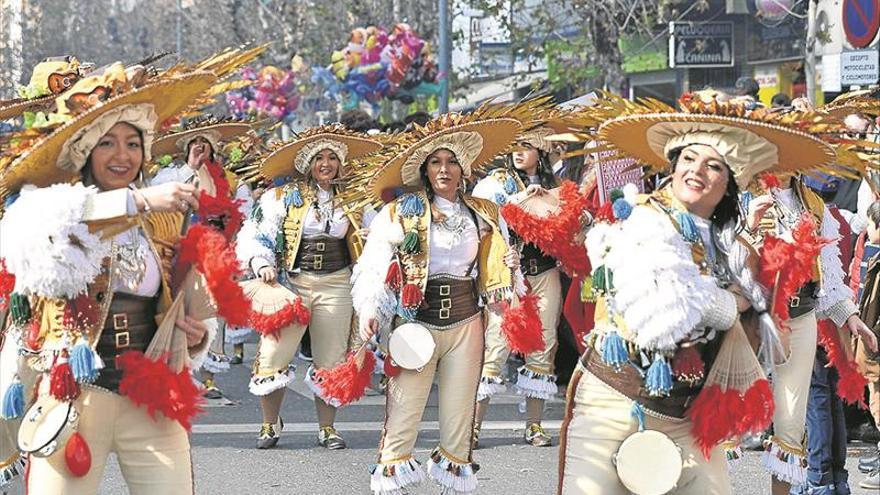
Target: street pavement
[(226, 462)]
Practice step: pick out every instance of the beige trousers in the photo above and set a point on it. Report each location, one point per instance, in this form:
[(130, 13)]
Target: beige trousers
[(786, 454), (536, 378), (598, 420), (328, 298), (153, 454), (457, 359)]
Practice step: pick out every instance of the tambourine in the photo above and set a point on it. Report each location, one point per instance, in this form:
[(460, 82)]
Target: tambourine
[(47, 426), (411, 346), (648, 463)]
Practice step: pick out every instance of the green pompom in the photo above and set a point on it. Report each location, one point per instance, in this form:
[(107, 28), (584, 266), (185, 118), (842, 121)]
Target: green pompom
[(616, 194), (410, 244), (19, 309), (603, 280), (279, 242), (587, 294), (165, 160), (29, 118), (235, 155)]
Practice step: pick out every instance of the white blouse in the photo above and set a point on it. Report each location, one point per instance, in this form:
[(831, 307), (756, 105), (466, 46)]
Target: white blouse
[(455, 242), (335, 225)]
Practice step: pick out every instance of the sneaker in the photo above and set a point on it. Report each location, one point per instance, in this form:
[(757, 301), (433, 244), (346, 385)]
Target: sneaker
[(869, 463), (872, 482), (329, 438), (475, 439), (236, 359), (536, 436), (211, 390), (269, 434)]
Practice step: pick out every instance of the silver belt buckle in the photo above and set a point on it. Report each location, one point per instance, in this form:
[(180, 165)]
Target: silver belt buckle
[(794, 302)]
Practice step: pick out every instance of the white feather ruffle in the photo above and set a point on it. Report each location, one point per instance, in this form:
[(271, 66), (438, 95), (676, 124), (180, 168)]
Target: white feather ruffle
[(47, 246), (443, 473), (664, 282), (783, 465), (535, 385), (316, 389), (370, 296), (265, 385), (257, 239), (490, 386)]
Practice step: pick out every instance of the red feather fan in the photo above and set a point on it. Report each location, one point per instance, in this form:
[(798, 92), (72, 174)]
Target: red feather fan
[(7, 284), (717, 415), (851, 384), (271, 324), (521, 326), (768, 181), (215, 260), (152, 384), (787, 266), (348, 381), (555, 235)]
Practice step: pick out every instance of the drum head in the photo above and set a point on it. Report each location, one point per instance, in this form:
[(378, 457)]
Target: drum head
[(411, 346), (42, 423), (649, 463)]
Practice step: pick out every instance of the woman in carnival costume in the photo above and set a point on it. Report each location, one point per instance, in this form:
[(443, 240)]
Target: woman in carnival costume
[(300, 236), (689, 379), (201, 143), (431, 256), (527, 171), (89, 249), (821, 310)]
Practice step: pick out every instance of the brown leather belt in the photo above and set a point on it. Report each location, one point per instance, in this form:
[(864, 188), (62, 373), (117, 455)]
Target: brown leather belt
[(322, 254), (803, 302), (448, 301), (534, 261), (130, 326), (628, 381)]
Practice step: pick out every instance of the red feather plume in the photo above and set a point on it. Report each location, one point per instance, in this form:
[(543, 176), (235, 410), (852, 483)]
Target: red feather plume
[(717, 415), (348, 381), (521, 326), (271, 324), (7, 284), (555, 235), (152, 384), (851, 384)]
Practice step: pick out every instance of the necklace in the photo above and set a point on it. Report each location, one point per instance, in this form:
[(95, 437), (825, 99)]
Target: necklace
[(454, 224), (130, 261)]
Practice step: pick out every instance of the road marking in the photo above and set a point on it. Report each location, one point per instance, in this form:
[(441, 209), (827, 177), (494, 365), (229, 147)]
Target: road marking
[(350, 426)]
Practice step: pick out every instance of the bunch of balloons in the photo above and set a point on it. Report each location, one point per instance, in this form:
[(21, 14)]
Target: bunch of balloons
[(376, 64), (273, 93)]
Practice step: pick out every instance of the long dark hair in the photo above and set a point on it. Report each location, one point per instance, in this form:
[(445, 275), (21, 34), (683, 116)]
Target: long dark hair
[(729, 208), (544, 170), (423, 173)]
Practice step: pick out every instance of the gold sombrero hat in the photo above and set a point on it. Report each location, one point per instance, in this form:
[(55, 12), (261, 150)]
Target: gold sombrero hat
[(865, 101), (476, 139), (296, 156), (116, 89), (214, 131), (49, 78), (751, 141)]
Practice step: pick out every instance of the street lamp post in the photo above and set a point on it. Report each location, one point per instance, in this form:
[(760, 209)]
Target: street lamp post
[(445, 54)]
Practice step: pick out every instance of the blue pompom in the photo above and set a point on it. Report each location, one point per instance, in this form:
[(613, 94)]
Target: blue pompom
[(510, 185), (293, 198), (266, 241), (13, 401), (408, 314), (639, 413), (411, 206), (622, 209), (614, 351), (83, 363), (687, 226), (500, 199), (658, 381), (280, 181)]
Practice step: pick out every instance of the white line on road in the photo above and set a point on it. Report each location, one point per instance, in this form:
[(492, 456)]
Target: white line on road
[(348, 426)]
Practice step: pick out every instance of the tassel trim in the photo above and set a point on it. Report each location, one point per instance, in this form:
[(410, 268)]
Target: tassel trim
[(215, 363), (733, 452), (535, 385), (453, 477), (394, 479), (12, 469), (265, 385), (785, 463), (489, 386)]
